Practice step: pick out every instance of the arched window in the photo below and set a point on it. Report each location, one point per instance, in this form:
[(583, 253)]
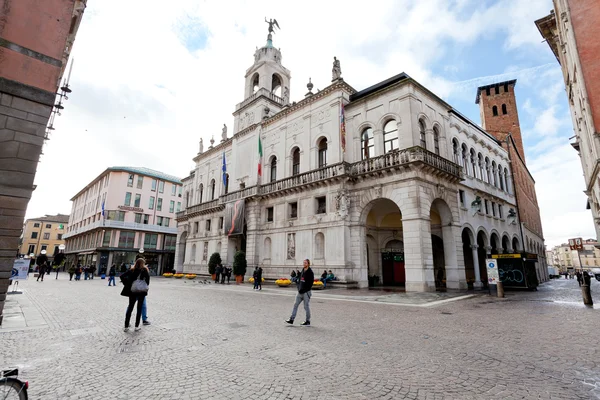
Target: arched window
[(296, 161), (436, 140), (226, 183), (456, 152), (390, 136), (255, 80), (322, 153), (500, 178), (495, 111), (422, 134), (465, 158), (212, 189), (366, 144), (481, 166), (200, 191), (276, 85), (504, 112), (473, 164), (319, 246), (273, 169), (494, 174), (488, 171)]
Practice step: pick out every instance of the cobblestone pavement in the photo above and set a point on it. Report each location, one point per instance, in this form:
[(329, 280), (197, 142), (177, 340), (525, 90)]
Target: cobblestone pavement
[(230, 342)]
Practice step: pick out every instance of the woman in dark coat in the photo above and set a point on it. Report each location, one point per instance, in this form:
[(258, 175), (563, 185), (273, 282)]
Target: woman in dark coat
[(128, 278)]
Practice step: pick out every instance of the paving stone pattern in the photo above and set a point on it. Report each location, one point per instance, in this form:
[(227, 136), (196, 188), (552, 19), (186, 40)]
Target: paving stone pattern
[(230, 342)]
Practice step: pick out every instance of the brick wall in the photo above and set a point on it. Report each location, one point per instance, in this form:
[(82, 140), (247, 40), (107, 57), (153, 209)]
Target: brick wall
[(22, 129), (529, 211)]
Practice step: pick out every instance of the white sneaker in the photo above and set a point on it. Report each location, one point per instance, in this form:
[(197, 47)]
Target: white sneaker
[(138, 328), (125, 329)]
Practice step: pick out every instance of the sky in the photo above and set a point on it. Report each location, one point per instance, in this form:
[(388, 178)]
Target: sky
[(150, 78)]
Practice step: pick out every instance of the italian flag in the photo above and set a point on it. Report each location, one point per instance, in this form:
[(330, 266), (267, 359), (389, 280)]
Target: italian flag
[(260, 154)]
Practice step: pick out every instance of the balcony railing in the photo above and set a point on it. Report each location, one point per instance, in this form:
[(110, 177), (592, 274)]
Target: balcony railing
[(239, 194), (405, 156), (261, 92), (328, 172), (203, 207)]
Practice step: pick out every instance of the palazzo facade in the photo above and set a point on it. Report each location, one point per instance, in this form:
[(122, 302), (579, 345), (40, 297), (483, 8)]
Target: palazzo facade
[(389, 185)]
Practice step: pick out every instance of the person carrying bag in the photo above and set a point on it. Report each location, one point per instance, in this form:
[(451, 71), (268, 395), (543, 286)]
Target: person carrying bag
[(136, 282)]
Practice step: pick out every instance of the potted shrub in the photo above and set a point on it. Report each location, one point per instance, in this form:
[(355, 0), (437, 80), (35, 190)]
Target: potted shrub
[(239, 266), (215, 259)]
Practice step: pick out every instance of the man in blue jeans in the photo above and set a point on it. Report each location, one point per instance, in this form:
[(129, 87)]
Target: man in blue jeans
[(304, 293), (144, 313)]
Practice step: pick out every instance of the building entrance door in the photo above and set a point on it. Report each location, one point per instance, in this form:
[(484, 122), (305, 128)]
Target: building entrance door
[(394, 273)]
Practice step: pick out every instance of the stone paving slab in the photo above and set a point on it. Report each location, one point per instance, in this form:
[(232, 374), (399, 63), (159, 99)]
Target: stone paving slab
[(214, 342)]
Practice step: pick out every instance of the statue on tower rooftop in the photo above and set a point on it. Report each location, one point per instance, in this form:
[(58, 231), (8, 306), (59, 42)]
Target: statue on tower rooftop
[(272, 22)]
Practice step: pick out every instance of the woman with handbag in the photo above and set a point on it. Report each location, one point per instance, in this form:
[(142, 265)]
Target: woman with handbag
[(135, 286)]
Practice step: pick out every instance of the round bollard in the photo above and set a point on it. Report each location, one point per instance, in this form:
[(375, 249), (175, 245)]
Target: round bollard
[(587, 295)]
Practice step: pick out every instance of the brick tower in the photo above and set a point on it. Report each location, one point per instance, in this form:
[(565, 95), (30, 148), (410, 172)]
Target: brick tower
[(498, 110)]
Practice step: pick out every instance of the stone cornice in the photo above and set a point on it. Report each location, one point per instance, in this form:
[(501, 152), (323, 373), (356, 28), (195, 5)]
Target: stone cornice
[(337, 85)]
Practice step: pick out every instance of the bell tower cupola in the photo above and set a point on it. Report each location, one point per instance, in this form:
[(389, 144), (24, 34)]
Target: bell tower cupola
[(267, 74), (267, 89)]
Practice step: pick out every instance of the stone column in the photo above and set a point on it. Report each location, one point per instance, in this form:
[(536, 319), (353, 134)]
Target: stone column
[(477, 283), (418, 255), (252, 243), (453, 254)]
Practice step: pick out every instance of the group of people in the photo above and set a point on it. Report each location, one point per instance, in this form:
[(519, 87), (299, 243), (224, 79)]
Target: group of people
[(88, 271), (223, 272)]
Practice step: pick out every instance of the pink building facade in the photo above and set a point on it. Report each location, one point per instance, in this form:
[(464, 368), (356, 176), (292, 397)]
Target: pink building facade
[(123, 213)]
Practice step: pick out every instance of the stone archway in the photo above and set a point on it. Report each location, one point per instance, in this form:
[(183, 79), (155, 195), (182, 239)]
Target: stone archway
[(483, 249), (495, 243), (383, 224), (505, 244), (470, 254), (181, 251)]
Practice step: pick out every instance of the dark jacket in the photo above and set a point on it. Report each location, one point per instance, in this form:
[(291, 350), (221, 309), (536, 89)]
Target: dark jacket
[(259, 275), (41, 259), (113, 271), (129, 277), (306, 280)]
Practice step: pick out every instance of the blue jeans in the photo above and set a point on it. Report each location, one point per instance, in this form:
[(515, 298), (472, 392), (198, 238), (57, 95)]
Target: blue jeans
[(144, 310), (304, 297), (85, 276), (111, 279)]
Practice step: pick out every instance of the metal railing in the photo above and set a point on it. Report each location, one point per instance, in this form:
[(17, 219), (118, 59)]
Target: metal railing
[(316, 175), (202, 206), (113, 224)]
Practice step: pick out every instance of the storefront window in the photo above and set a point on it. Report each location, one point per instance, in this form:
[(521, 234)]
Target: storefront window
[(126, 239)]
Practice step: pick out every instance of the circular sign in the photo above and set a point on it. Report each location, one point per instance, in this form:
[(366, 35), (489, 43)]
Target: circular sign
[(61, 247), (142, 250), (43, 251), (491, 265)]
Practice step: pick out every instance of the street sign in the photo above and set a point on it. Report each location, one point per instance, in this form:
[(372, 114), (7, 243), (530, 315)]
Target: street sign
[(492, 271), (576, 244), (20, 270)]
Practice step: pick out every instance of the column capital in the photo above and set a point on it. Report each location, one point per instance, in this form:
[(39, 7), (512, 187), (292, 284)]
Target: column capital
[(488, 248), (474, 246)]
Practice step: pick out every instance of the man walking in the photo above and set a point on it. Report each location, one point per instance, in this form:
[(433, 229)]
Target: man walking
[(41, 261), (304, 293), (111, 276)]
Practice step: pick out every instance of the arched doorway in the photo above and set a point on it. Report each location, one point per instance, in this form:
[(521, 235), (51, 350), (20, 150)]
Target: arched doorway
[(495, 243), (505, 244), (384, 243), (443, 246), (515, 245)]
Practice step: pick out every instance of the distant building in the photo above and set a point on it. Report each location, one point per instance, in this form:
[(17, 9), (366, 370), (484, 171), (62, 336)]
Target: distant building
[(36, 39), (122, 211), (563, 257), (44, 233), (572, 31)]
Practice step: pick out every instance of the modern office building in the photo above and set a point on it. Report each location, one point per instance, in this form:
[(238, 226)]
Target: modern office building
[(121, 213)]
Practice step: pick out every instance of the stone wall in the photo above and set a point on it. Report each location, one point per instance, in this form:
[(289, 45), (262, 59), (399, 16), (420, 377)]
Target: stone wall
[(22, 130)]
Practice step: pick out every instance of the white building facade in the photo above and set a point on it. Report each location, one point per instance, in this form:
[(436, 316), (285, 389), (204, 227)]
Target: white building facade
[(404, 204), (122, 213)]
